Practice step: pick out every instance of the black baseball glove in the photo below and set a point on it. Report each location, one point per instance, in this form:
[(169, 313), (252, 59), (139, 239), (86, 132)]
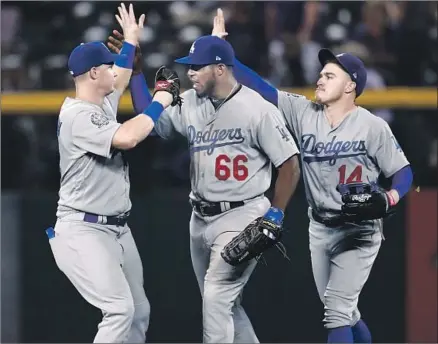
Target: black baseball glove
[(364, 201), (167, 80), (253, 241)]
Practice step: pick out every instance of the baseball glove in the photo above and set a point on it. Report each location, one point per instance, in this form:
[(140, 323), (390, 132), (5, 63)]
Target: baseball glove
[(253, 241), (364, 201), (115, 44), (167, 80)]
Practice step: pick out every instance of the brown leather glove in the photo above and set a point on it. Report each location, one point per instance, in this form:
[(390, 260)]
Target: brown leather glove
[(115, 44)]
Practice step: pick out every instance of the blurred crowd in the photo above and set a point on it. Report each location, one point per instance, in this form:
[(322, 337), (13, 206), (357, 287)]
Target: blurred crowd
[(278, 39)]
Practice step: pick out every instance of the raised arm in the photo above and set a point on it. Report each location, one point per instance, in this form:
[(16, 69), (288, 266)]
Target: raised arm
[(251, 79), (242, 73), (140, 95), (131, 29), (135, 130)]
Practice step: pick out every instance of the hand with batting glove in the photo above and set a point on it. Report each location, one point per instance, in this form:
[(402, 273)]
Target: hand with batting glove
[(167, 80), (115, 44)]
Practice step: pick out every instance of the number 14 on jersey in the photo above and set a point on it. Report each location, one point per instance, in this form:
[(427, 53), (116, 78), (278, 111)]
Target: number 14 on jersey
[(355, 175), (227, 167)]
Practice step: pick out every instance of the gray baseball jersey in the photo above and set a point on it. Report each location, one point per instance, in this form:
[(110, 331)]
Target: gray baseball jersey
[(357, 150), (231, 148), (94, 177)]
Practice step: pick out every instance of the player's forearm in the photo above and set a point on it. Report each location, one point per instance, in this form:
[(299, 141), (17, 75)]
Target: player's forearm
[(135, 130), (251, 79), (141, 98), (286, 183), (122, 78), (132, 132), (123, 66), (401, 183)]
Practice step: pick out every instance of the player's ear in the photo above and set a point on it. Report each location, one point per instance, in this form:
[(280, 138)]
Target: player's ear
[(350, 87), (221, 69), (93, 73)]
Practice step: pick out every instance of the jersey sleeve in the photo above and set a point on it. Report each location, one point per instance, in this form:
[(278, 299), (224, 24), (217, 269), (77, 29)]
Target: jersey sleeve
[(292, 108), (172, 121), (386, 150), (274, 138), (168, 123), (93, 132), (112, 100)]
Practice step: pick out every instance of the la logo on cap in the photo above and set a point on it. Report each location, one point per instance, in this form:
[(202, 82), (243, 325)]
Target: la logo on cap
[(192, 48), (218, 58)]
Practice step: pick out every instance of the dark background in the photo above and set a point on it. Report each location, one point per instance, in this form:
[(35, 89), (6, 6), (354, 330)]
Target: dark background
[(396, 40)]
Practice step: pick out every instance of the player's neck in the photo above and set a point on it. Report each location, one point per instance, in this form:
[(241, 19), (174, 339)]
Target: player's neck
[(89, 96), (224, 89), (338, 111)]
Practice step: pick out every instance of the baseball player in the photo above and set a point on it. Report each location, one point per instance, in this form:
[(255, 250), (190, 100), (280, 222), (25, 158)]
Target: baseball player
[(234, 135), (344, 148), (91, 241)]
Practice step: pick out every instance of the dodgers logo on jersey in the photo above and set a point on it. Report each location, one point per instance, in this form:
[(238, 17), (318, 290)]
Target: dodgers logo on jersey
[(283, 133), (210, 139), (317, 151)]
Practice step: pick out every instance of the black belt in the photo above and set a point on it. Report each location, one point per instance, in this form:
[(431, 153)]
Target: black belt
[(120, 220), (213, 208), (332, 221)]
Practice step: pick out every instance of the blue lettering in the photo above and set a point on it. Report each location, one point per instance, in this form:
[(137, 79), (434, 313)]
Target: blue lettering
[(210, 139), (311, 149)]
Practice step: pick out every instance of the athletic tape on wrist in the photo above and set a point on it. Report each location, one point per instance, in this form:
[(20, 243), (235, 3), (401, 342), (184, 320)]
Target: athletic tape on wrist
[(154, 111), (127, 55)]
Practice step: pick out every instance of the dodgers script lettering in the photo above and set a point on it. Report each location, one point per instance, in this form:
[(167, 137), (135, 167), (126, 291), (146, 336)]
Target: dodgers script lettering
[(210, 138), (316, 151)]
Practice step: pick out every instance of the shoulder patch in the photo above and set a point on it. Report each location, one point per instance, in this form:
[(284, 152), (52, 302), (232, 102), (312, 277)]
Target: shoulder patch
[(99, 119)]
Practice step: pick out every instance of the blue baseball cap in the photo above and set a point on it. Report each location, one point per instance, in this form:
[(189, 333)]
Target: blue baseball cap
[(350, 63), (88, 55), (207, 50)]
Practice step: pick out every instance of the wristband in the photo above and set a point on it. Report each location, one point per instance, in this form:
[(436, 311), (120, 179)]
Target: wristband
[(390, 199), (154, 111), (275, 215), (127, 55)]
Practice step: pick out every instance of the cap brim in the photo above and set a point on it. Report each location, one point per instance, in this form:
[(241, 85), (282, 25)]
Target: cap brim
[(185, 60), (326, 55)]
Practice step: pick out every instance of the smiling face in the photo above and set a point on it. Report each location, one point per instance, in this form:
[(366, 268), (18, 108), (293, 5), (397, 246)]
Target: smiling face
[(203, 79), (333, 84)]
